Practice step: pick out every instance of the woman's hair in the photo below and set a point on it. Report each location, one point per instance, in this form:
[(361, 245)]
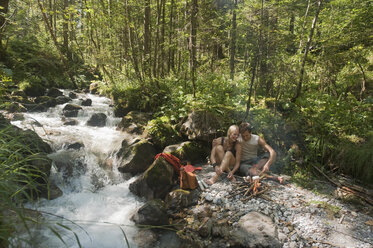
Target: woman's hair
[(231, 129), (245, 126)]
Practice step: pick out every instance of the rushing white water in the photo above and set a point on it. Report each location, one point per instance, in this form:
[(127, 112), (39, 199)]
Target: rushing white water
[(96, 204)]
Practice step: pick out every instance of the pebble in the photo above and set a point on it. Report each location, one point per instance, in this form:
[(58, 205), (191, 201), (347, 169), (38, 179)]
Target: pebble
[(296, 220)]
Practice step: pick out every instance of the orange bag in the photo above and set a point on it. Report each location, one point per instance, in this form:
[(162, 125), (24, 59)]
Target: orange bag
[(188, 180)]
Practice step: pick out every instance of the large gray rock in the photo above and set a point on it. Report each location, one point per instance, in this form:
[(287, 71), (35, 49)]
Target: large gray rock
[(97, 120), (256, 230), (62, 99), (155, 182), (201, 125), (134, 122), (86, 102), (35, 149), (137, 157), (54, 92), (191, 151), (71, 110), (151, 213)]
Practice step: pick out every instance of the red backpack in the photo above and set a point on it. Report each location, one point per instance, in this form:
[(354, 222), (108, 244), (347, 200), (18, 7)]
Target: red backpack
[(187, 177)]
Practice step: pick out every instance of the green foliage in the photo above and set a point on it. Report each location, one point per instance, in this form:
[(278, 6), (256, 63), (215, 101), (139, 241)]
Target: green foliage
[(18, 179), (29, 59), (162, 132), (32, 86), (335, 126), (356, 158)]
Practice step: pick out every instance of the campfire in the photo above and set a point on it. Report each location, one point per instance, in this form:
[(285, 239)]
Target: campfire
[(251, 188)]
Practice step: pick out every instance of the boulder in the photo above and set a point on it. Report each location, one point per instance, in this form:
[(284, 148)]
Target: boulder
[(179, 199), (71, 107), (46, 101), (54, 92), (191, 151), (86, 102), (137, 157), (73, 95), (35, 149), (155, 182), (152, 213), (71, 110), (256, 230), (75, 146), (62, 99), (70, 122), (97, 120), (201, 125), (134, 122)]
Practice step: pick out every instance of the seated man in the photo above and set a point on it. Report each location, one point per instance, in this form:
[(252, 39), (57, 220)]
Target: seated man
[(251, 164)]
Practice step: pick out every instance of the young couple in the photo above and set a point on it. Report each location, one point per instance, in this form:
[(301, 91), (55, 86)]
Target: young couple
[(232, 154)]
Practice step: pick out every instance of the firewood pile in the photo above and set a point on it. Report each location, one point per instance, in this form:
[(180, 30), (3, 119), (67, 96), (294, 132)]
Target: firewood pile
[(250, 189)]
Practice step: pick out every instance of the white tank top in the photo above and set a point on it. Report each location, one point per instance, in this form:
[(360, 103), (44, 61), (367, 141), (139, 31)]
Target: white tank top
[(250, 148)]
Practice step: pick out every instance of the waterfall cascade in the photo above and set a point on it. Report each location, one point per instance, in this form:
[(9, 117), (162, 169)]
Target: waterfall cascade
[(96, 204)]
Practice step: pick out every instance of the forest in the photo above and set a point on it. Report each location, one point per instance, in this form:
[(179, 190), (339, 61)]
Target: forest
[(300, 71)]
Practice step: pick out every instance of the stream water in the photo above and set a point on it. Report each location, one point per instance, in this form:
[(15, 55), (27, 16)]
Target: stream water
[(96, 204)]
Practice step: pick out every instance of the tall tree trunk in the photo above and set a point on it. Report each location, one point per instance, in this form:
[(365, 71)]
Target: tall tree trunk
[(4, 7), (301, 72), (62, 57), (193, 44), (303, 27), (171, 50), (363, 83), (147, 39), (233, 39), (134, 50), (65, 27), (253, 75), (163, 55), (156, 45)]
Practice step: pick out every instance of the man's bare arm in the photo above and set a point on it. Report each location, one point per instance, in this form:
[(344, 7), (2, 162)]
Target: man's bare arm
[(272, 154)]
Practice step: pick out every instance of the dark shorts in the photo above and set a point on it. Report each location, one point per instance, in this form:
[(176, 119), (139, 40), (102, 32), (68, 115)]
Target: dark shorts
[(245, 165)]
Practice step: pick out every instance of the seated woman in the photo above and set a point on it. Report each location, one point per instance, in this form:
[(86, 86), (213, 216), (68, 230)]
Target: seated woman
[(226, 155)]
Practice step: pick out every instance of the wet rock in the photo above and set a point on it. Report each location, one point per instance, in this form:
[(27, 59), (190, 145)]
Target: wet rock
[(155, 182), (75, 146), (86, 102), (71, 110), (136, 157), (151, 213), (52, 192), (97, 120), (54, 92), (62, 99), (70, 122), (73, 95)]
